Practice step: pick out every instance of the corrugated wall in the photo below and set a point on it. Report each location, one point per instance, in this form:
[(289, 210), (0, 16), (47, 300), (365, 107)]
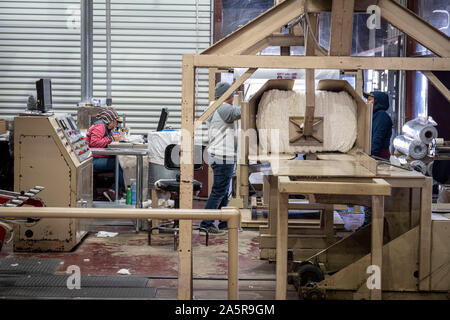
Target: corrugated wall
[(40, 39), (148, 39)]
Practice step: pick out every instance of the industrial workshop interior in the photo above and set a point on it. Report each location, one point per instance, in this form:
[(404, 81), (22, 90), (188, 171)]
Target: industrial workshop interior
[(225, 150)]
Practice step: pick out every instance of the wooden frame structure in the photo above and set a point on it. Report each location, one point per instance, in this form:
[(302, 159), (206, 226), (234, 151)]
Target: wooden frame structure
[(233, 50)]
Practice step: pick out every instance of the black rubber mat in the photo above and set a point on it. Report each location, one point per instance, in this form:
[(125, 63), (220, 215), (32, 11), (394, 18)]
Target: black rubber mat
[(28, 266), (84, 292), (85, 281)]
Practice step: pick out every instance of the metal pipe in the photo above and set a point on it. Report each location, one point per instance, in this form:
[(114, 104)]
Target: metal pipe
[(139, 187), (108, 53), (139, 182), (233, 264), (231, 215), (228, 214), (87, 70), (116, 178)]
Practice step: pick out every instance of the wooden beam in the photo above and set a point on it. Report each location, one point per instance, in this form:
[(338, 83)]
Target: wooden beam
[(425, 235), (257, 47), (341, 27), (302, 62), (377, 241), (437, 84), (415, 27), (258, 29), (187, 178), (282, 246), (224, 97), (310, 85), (286, 40), (276, 40), (378, 187)]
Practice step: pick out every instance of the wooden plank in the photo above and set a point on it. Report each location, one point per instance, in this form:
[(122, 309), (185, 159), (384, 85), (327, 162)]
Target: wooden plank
[(268, 241), (303, 62), (366, 161), (378, 187), (310, 85), (377, 241), (437, 84), (341, 27), (425, 236), (415, 27), (224, 97), (322, 168), (282, 246), (276, 40), (273, 204), (212, 84), (187, 178), (258, 29)]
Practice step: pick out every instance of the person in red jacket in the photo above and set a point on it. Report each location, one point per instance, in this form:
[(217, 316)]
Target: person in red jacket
[(100, 135)]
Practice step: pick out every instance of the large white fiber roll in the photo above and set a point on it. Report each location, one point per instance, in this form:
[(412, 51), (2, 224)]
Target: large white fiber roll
[(418, 130), (414, 148), (276, 106)]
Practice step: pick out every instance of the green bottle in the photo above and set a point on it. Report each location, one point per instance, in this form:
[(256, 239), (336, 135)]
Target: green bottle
[(128, 201)]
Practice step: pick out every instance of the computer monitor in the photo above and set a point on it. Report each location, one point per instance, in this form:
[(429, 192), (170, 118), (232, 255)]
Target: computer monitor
[(162, 119), (44, 95)]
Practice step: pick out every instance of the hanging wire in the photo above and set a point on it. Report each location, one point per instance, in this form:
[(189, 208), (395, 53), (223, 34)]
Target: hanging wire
[(309, 30)]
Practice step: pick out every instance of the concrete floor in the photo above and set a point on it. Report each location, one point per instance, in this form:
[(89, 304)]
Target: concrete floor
[(129, 250)]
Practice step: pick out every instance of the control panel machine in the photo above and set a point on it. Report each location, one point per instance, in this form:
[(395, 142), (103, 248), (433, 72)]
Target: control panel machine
[(49, 150)]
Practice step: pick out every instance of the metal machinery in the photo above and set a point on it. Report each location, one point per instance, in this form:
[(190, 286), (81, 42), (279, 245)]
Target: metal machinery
[(50, 150)]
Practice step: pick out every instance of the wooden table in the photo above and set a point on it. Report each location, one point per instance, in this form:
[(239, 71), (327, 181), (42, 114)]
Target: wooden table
[(352, 180)]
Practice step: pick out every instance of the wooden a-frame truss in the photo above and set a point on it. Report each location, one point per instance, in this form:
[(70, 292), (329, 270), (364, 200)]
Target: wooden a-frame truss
[(238, 49)]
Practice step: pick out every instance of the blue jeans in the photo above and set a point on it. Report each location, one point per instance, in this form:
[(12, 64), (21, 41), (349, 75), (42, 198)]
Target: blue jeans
[(219, 192), (109, 165)]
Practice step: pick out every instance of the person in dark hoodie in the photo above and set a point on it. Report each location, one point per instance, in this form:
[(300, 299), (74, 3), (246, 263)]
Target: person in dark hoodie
[(381, 124)]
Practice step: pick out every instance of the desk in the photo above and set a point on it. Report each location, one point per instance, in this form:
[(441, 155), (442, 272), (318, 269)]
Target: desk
[(139, 153)]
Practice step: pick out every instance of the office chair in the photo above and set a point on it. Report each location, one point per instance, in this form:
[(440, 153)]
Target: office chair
[(172, 162)]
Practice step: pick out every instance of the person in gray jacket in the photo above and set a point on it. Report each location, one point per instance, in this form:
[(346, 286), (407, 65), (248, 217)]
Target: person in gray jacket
[(222, 149)]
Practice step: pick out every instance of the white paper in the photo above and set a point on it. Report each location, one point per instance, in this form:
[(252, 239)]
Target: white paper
[(105, 234), (124, 271)]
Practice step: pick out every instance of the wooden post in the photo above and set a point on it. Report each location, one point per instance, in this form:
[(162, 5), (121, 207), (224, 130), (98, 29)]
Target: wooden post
[(377, 241), (233, 263), (273, 205), (425, 236), (341, 27), (282, 246), (187, 177), (212, 97), (266, 190), (309, 79)]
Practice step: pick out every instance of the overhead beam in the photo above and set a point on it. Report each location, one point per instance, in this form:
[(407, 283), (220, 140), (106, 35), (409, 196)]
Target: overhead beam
[(341, 27), (224, 96), (276, 40), (437, 84), (415, 27), (258, 29), (302, 62)]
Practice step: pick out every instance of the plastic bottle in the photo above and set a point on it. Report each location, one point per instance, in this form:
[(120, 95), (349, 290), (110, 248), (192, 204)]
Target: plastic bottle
[(133, 191), (128, 201)]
